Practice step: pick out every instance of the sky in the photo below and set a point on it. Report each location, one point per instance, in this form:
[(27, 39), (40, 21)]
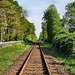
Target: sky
[(36, 8)]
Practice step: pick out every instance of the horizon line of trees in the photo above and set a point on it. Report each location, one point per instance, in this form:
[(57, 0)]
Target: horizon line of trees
[(13, 22), (59, 32)]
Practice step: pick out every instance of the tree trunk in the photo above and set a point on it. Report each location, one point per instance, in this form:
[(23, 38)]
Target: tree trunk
[(25, 40), (16, 35), (1, 35), (8, 34), (22, 36), (25, 43), (43, 35)]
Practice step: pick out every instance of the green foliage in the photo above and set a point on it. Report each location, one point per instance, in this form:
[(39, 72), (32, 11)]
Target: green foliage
[(3, 23), (13, 22), (41, 36), (29, 35), (11, 1), (52, 19), (65, 43), (57, 31), (70, 17), (44, 30)]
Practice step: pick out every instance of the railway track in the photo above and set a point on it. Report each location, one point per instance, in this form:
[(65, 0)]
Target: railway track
[(36, 61), (35, 64)]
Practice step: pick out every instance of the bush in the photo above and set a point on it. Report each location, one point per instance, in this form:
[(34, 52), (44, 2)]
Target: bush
[(65, 42)]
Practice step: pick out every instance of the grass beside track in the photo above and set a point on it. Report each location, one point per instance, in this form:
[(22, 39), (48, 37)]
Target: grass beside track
[(68, 61), (9, 54)]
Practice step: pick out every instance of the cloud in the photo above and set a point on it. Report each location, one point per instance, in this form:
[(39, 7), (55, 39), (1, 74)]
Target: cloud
[(35, 9)]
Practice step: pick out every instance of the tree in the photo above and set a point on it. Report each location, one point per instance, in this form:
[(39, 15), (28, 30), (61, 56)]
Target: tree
[(41, 36), (23, 26), (2, 22), (17, 8), (12, 19), (70, 17), (24, 13), (52, 19), (31, 29), (10, 16), (3, 8), (44, 30), (13, 22)]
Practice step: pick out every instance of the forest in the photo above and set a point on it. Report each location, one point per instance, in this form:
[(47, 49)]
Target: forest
[(13, 23)]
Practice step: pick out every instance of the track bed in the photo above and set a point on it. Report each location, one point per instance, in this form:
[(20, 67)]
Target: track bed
[(36, 64)]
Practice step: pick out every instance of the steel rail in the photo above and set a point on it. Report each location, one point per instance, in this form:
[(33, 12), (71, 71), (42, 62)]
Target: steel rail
[(27, 61), (44, 60)]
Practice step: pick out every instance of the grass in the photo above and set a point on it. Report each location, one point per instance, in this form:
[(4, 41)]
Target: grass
[(9, 54), (68, 61)]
